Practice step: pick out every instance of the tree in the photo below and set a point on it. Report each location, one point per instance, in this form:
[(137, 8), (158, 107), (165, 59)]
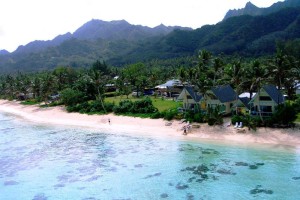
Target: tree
[(234, 73), (100, 66), (135, 74), (47, 86), (98, 81), (64, 76), (258, 74)]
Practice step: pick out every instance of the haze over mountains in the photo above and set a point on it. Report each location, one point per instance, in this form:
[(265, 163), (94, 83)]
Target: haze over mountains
[(250, 32)]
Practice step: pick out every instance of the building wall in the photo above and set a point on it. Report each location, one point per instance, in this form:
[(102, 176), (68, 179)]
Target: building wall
[(225, 107), (257, 102)]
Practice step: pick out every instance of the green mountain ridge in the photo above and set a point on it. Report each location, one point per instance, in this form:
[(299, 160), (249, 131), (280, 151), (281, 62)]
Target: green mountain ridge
[(245, 35), (251, 9)]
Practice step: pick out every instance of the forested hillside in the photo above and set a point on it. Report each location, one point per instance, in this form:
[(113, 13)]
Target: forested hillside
[(120, 43)]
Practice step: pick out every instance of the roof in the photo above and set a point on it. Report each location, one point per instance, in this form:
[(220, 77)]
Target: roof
[(275, 94), (245, 101), (247, 94), (169, 83), (196, 97), (224, 93)]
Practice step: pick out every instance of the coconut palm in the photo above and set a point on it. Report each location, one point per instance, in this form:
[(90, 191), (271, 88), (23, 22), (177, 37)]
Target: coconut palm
[(234, 74), (259, 74), (98, 81)]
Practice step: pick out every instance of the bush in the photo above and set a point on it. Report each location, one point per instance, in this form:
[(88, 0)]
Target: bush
[(142, 106), (285, 114), (157, 115), (124, 107), (70, 97), (170, 114), (214, 116)]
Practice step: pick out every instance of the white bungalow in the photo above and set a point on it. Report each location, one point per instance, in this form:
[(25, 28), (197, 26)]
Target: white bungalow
[(266, 100), (190, 98)]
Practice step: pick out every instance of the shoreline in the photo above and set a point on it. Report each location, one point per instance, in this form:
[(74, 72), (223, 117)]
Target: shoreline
[(152, 127)]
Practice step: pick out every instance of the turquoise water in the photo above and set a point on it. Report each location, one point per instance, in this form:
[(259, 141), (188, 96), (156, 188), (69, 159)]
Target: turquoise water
[(45, 162)]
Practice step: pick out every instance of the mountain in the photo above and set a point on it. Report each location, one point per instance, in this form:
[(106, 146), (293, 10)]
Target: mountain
[(119, 30), (95, 39), (96, 29), (251, 9), (3, 52), (39, 45), (245, 35)]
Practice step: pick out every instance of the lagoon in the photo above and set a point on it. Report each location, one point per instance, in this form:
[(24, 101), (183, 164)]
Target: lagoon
[(62, 162)]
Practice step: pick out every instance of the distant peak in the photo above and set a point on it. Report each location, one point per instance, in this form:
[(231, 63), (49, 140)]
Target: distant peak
[(250, 5), (119, 21), (160, 26), (4, 52)]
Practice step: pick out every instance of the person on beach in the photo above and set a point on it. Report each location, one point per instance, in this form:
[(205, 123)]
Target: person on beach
[(109, 121), (184, 131)]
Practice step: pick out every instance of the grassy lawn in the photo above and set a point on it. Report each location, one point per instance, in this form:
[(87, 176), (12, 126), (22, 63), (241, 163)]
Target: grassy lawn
[(159, 103)]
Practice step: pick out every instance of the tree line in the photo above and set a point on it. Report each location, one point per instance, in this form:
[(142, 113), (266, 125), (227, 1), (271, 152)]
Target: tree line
[(75, 86)]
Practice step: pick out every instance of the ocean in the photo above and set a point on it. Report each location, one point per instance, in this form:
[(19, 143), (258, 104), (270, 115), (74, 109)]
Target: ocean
[(41, 162)]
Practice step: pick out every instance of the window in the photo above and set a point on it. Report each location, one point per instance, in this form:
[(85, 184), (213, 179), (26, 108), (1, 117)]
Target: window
[(265, 98), (266, 108), (189, 97)]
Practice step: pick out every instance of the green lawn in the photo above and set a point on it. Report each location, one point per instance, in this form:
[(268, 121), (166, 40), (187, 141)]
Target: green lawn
[(159, 103)]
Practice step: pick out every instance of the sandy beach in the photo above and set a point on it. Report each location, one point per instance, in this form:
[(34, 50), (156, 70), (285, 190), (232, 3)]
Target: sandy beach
[(151, 127)]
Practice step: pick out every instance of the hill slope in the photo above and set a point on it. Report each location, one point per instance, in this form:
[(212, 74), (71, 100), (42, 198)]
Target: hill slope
[(251, 9), (243, 35)]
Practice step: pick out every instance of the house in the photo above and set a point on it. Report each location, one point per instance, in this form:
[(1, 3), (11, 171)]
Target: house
[(171, 88), (190, 98), (242, 104), (266, 100), (298, 88), (223, 96)]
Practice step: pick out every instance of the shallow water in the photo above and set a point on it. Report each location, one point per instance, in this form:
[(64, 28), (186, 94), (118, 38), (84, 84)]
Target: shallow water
[(46, 162)]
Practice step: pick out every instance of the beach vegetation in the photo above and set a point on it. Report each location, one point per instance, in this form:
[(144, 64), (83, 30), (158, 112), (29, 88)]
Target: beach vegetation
[(70, 97), (30, 102), (214, 116), (142, 106), (103, 89), (285, 115)]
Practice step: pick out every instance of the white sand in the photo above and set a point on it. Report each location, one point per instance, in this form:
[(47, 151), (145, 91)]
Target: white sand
[(153, 127)]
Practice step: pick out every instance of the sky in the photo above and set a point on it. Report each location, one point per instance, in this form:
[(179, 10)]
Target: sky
[(23, 21)]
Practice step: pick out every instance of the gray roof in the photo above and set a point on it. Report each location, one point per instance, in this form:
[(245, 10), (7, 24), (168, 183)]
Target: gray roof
[(274, 93), (170, 83), (224, 93), (194, 95), (245, 101)]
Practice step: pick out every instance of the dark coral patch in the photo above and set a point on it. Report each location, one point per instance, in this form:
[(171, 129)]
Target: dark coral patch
[(259, 190), (164, 195), (152, 175), (6, 183), (241, 164), (40, 196), (225, 172), (181, 186)]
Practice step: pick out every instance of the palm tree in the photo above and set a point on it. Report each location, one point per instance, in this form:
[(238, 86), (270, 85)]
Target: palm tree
[(98, 81), (217, 64), (259, 74), (234, 73), (47, 86)]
